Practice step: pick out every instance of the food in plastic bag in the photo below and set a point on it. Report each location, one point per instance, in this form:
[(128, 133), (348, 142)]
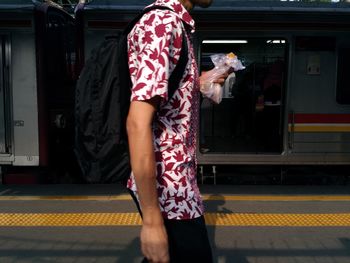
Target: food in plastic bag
[(223, 63), (213, 91)]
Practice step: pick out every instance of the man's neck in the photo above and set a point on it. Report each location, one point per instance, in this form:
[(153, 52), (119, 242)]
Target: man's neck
[(187, 4)]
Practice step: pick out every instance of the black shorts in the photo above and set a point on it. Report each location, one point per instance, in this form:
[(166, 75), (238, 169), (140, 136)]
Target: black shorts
[(188, 240)]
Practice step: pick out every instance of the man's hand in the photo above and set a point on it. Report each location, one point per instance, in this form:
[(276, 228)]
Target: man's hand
[(220, 79), (154, 243)]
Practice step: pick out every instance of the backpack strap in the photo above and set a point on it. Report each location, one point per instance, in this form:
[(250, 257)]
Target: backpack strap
[(179, 70)]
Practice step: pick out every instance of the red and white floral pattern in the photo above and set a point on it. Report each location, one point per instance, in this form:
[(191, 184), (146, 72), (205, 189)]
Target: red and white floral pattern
[(154, 49)]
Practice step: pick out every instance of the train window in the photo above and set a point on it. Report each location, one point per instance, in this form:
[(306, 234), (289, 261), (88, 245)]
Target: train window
[(4, 97), (2, 101), (60, 57), (61, 47), (343, 81), (248, 118)]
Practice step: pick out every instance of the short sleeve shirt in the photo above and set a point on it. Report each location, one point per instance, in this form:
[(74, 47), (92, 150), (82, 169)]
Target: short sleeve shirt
[(154, 48)]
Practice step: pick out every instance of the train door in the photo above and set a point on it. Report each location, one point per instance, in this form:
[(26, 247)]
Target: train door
[(4, 89), (249, 118), (56, 52), (60, 84), (320, 97)]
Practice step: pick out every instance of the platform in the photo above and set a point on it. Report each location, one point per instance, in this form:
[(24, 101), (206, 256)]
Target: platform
[(246, 224)]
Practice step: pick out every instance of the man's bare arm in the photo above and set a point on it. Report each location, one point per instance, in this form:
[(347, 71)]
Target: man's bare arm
[(154, 241)]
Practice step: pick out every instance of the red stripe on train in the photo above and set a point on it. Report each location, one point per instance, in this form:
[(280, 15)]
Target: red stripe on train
[(319, 118)]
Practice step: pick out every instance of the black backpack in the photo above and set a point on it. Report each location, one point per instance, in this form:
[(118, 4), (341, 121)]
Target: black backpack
[(102, 100)]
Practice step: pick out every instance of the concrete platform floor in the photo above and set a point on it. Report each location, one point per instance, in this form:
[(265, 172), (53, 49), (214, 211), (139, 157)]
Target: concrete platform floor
[(305, 223)]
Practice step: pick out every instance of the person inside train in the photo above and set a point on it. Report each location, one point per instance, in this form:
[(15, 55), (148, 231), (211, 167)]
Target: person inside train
[(272, 88)]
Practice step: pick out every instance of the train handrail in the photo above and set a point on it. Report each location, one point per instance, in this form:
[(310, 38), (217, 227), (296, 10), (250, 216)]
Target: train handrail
[(291, 130)]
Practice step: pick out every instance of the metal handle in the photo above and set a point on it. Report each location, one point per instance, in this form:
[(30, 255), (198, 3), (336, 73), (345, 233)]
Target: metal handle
[(291, 130)]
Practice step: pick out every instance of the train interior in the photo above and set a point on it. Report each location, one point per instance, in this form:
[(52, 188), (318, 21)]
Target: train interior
[(60, 60), (343, 83), (248, 119), (4, 96)]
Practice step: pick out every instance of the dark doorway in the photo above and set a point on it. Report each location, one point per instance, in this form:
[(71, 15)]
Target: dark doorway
[(249, 118), (4, 96)]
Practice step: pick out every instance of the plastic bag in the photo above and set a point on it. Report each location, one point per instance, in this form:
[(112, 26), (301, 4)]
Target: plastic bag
[(228, 86), (223, 63), (212, 91)]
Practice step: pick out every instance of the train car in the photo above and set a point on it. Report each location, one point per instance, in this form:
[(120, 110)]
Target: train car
[(290, 105), (37, 80)]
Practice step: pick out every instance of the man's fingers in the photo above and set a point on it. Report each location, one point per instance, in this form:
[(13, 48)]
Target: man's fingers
[(221, 79), (145, 252), (155, 253)]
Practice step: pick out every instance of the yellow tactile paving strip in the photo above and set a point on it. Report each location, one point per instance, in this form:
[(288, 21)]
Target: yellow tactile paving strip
[(133, 219), (276, 198), (69, 219), (126, 197), (67, 198), (279, 220)]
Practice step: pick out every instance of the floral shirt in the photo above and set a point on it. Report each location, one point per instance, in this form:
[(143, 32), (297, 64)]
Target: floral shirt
[(154, 49)]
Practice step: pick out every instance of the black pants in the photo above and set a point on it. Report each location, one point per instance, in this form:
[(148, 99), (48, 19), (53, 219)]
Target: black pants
[(188, 240)]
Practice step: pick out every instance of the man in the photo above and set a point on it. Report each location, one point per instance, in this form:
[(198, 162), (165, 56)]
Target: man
[(162, 136)]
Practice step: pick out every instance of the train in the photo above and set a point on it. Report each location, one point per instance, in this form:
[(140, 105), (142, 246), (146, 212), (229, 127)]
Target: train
[(289, 106), (38, 57)]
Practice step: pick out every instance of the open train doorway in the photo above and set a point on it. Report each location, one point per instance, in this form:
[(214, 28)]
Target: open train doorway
[(250, 116), (4, 96)]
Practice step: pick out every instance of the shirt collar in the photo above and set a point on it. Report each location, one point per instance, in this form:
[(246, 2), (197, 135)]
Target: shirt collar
[(179, 10)]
